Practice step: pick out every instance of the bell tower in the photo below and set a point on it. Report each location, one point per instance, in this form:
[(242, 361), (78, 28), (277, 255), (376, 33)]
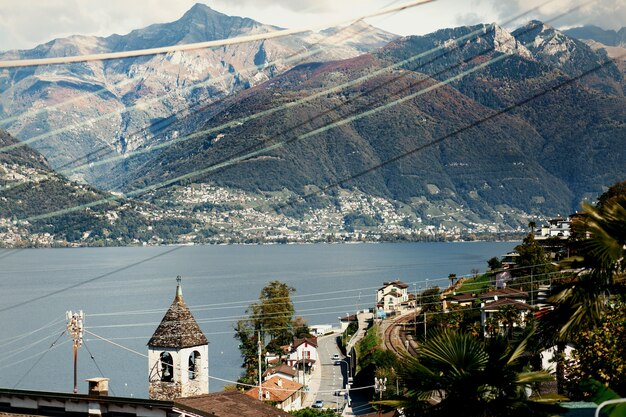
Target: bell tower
[(178, 354)]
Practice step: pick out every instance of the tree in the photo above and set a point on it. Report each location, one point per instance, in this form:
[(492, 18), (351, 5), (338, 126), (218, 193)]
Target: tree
[(509, 316), (248, 346), (531, 226), (532, 258), (314, 412), (468, 378), (600, 353), (494, 263), (581, 299), (272, 316), (300, 328)]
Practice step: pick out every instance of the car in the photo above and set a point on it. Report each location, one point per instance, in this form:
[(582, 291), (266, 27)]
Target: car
[(318, 404), (340, 393), (336, 357)]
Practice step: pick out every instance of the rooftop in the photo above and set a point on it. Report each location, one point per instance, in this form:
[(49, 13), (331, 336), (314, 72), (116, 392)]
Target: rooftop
[(279, 389), (229, 404), (178, 328)]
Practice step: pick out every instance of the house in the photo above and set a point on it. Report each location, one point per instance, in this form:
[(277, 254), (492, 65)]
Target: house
[(303, 351), (283, 370), (98, 404), (557, 227), (391, 296), (284, 393), (503, 293), (226, 404), (460, 300), (321, 329), (346, 320), (509, 260), (303, 354), (490, 310)]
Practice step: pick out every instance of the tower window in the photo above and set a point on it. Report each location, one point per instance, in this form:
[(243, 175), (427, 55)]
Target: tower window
[(194, 365), (167, 367)]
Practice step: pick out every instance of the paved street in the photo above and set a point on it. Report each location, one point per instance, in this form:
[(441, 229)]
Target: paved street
[(333, 376)]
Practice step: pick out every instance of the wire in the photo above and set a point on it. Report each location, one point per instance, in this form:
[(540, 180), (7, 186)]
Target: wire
[(269, 111), (116, 344), (37, 361), (14, 339), (87, 281), (446, 48), (199, 45), (294, 58), (329, 126), (96, 363)]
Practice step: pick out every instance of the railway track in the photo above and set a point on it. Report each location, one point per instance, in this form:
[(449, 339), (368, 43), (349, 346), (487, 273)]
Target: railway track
[(395, 336)]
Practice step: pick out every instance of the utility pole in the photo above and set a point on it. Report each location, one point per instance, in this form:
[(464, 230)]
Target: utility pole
[(75, 327), (532, 269), (260, 378), (380, 386), (415, 318)]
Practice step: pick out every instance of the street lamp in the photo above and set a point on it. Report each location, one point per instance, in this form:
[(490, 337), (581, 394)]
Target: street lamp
[(380, 386), (347, 362)]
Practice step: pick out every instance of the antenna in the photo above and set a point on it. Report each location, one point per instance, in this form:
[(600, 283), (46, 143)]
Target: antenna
[(75, 327)]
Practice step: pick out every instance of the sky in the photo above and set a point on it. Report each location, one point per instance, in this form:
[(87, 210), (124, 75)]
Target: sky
[(25, 24)]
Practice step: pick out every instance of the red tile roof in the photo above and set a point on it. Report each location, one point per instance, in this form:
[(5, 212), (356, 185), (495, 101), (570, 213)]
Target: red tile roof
[(397, 283), (283, 368), (279, 389), (497, 305), (310, 341), (229, 404), (505, 293)]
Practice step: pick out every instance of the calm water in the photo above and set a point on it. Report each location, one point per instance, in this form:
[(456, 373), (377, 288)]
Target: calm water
[(124, 293)]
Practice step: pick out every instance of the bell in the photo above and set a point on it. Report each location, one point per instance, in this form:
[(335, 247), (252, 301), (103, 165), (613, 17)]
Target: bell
[(166, 372)]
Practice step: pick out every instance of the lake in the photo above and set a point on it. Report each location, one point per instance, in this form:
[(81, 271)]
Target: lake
[(124, 293)]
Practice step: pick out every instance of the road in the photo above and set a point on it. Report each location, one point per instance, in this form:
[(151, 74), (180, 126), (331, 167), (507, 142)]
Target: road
[(334, 373)]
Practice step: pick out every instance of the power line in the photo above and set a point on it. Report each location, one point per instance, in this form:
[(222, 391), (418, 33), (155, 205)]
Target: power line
[(294, 58), (37, 361), (329, 126), (445, 48), (199, 45), (87, 281)]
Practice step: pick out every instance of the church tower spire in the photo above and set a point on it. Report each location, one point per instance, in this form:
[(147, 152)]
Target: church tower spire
[(178, 354)]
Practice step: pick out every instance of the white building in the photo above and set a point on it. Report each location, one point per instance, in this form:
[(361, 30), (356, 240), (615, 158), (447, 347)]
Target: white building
[(391, 296), (178, 355)]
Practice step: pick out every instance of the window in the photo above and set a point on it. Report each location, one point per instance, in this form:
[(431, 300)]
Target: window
[(194, 364), (167, 367)]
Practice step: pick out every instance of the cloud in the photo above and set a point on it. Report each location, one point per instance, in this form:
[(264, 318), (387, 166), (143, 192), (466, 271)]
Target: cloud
[(607, 14), (29, 23)]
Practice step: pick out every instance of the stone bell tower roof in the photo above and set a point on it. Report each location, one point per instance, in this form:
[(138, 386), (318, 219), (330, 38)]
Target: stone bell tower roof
[(178, 329)]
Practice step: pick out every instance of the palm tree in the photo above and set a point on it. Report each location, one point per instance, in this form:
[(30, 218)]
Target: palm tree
[(456, 374), (581, 298), (509, 316)]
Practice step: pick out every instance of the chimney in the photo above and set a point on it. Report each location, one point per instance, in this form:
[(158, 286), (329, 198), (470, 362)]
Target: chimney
[(279, 382), (98, 387)]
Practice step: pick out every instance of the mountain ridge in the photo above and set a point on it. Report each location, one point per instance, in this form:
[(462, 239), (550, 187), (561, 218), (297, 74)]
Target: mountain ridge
[(535, 148), (135, 93)]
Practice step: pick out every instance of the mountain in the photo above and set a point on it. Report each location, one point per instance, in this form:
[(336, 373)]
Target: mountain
[(29, 188), (448, 153), (86, 111), (595, 33)]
